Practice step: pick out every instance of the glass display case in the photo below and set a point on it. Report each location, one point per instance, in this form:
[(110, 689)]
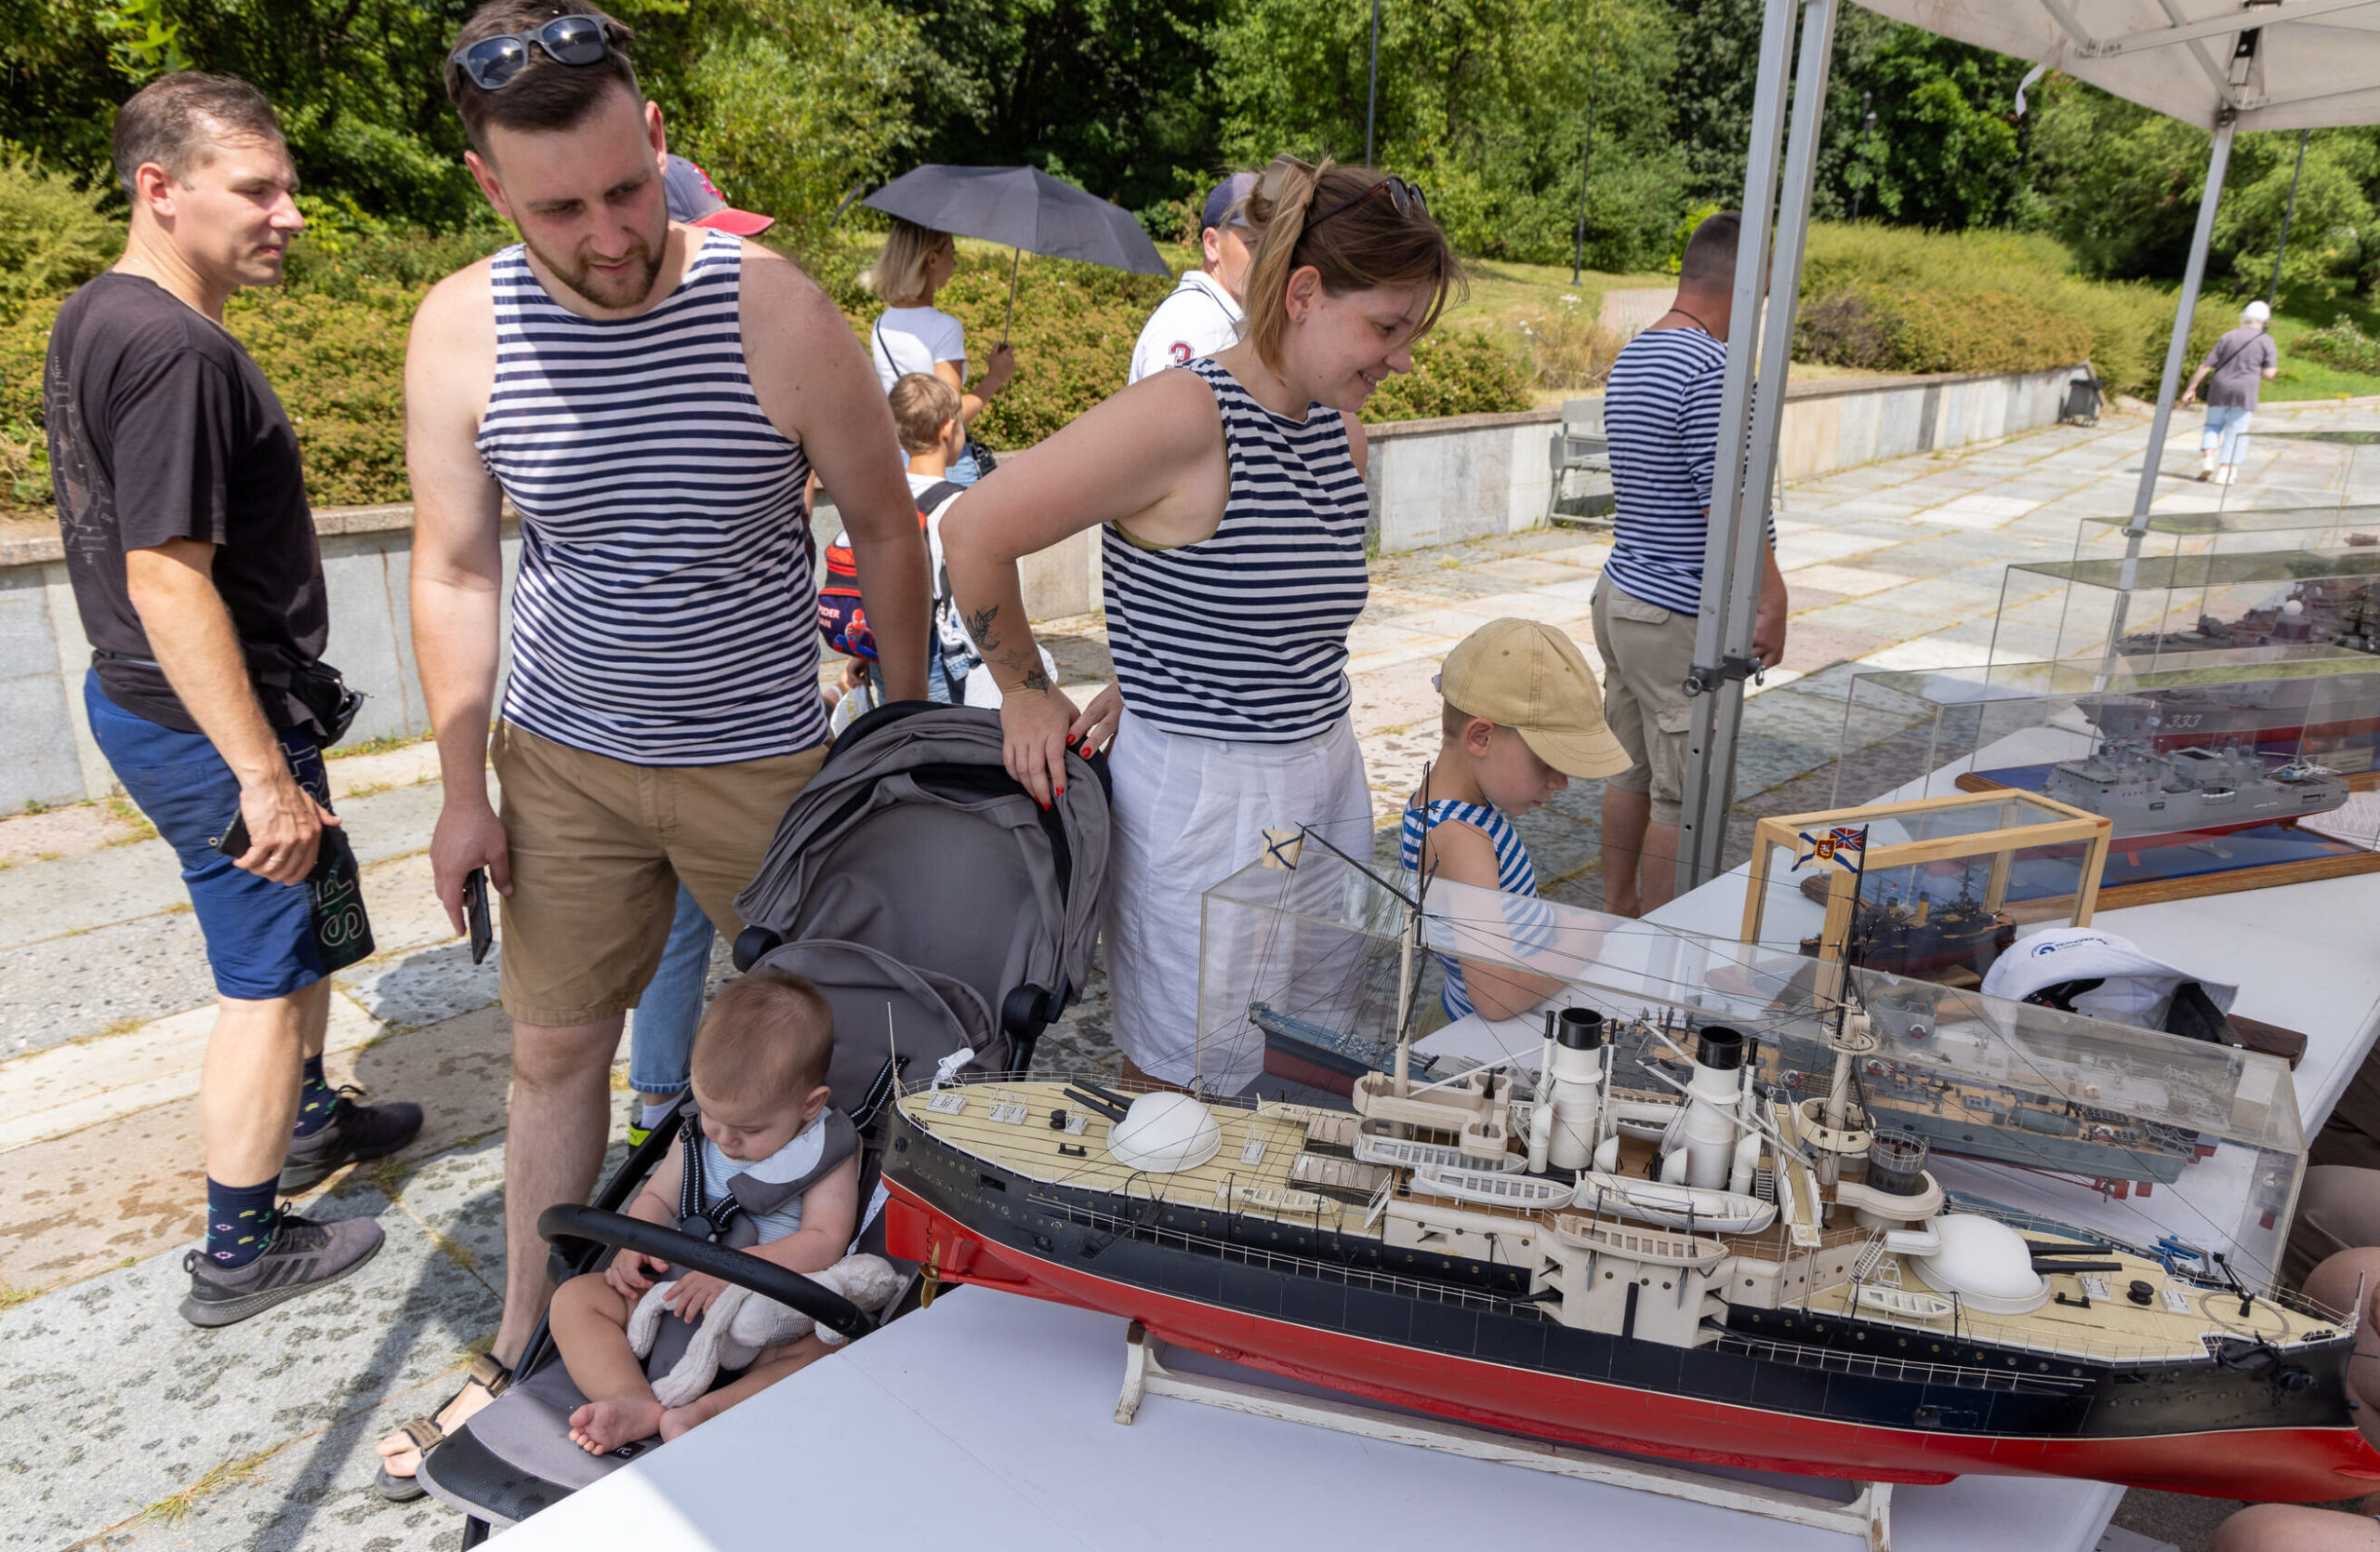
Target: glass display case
[(2219, 770), (2103, 535), (2147, 1137), (1928, 887), (2168, 605)]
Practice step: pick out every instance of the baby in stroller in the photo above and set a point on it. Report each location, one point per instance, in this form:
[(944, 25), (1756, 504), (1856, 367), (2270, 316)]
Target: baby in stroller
[(777, 1173)]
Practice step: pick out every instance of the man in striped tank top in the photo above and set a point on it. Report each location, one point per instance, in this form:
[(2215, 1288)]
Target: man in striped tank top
[(651, 399), (1661, 414), (1523, 719)]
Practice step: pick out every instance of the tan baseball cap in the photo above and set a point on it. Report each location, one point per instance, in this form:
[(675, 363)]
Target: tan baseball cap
[(1526, 675)]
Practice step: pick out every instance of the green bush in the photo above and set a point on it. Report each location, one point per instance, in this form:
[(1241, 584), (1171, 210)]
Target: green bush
[(52, 235), (1876, 328), (1455, 372), (2028, 277), (2342, 345)]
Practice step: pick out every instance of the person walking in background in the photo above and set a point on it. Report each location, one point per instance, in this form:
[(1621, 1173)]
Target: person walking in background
[(912, 335), (649, 397), (195, 569), (1203, 315), (1661, 415), (1234, 515), (661, 1026), (2241, 363)]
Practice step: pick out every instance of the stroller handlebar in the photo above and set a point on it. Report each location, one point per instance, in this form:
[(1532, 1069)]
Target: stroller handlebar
[(765, 1278)]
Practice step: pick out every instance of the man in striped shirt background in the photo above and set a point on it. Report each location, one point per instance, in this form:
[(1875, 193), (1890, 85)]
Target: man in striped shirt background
[(1661, 415)]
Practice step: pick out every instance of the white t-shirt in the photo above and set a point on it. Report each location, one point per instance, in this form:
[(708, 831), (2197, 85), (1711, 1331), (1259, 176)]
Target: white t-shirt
[(905, 339), (1198, 319)]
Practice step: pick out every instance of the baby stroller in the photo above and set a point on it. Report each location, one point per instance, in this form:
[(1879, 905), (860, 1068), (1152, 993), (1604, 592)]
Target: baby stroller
[(947, 918)]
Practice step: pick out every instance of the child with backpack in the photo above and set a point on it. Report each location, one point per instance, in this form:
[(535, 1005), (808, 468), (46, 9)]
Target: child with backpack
[(925, 412)]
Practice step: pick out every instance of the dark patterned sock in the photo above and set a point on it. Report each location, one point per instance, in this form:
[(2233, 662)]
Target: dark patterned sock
[(240, 1220), (317, 1101)]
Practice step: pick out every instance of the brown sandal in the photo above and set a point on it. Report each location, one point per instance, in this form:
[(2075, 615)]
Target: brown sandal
[(426, 1434)]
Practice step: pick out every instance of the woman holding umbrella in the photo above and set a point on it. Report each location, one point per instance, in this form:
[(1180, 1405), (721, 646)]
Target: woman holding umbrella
[(1231, 497), (912, 335)]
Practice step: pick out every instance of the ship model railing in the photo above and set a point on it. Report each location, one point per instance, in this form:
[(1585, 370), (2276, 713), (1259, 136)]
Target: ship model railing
[(1837, 1361), (1270, 1260)]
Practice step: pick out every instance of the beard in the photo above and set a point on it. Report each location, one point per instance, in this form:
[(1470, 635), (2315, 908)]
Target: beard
[(610, 293)]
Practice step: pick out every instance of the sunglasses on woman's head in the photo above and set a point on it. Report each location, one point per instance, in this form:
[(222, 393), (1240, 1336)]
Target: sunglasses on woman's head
[(1406, 197), (493, 63)]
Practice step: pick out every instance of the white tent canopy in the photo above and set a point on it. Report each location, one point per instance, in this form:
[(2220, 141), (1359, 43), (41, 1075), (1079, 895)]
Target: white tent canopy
[(2278, 64), (2291, 64)]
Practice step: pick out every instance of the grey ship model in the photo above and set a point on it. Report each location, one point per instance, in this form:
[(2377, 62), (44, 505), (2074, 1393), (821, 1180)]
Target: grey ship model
[(2159, 798)]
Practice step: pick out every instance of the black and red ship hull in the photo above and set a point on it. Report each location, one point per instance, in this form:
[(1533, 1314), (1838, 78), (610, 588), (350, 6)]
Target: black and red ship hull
[(1778, 1390)]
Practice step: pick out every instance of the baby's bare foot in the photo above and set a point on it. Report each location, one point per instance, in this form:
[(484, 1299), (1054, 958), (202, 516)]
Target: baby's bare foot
[(677, 1420), (599, 1427)]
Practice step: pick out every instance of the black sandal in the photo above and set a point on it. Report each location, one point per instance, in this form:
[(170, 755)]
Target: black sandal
[(426, 1434)]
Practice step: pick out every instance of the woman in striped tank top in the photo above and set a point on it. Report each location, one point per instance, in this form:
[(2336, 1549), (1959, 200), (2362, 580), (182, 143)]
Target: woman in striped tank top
[(1231, 497)]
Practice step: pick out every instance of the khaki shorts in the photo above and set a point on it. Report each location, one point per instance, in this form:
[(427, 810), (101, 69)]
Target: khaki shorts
[(1646, 653), (598, 848)]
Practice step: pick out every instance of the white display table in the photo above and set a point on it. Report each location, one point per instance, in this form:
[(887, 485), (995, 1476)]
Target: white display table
[(988, 1422)]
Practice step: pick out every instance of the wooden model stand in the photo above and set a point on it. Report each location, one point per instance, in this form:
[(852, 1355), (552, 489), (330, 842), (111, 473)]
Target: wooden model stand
[(2053, 824), (1867, 1515)]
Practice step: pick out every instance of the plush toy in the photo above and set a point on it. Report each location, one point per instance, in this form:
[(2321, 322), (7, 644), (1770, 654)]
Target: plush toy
[(740, 1324)]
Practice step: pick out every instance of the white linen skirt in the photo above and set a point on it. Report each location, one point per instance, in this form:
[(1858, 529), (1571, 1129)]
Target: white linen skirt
[(1188, 813)]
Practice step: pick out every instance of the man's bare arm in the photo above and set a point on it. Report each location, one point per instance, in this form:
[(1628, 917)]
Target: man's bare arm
[(818, 387), (458, 571), (172, 587)]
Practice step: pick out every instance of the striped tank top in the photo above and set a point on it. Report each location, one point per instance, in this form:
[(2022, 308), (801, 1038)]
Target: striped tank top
[(664, 610), (1243, 635), (1528, 920)]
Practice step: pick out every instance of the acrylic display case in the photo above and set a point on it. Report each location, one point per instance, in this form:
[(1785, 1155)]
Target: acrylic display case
[(1930, 888), (2171, 606), (2219, 770), (2143, 1136), (2102, 536)]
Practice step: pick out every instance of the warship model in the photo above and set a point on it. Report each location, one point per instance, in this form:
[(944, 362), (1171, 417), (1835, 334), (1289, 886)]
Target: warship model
[(1707, 1269), (1924, 938), (1970, 1097), (2341, 611), (2167, 799)]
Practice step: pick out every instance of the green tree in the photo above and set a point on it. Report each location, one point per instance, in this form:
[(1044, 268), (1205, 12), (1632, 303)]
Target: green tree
[(1484, 102), (1113, 95), (2332, 241)]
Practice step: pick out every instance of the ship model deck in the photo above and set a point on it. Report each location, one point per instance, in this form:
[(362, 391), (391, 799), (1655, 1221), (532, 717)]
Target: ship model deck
[(2159, 798), (1714, 1269)]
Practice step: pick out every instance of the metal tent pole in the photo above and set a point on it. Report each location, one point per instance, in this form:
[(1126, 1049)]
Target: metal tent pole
[(2217, 162), (1371, 88), (2272, 292), (1749, 424)]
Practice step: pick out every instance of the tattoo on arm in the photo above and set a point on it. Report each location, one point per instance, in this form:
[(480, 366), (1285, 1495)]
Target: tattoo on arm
[(979, 625), (1036, 681)]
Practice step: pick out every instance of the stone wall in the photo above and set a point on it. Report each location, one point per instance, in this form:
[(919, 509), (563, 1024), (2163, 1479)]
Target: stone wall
[(1432, 482)]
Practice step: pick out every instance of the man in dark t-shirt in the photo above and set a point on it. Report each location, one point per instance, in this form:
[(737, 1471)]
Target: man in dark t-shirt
[(191, 551)]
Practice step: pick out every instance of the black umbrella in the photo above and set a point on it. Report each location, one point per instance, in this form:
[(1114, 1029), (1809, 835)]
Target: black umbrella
[(1024, 208)]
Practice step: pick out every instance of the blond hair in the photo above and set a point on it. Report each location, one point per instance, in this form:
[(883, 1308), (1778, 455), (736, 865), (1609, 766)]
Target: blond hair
[(899, 274), (922, 405), (1365, 247), (767, 1038)]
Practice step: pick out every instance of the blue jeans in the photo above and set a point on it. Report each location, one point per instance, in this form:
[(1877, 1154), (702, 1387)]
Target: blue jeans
[(2226, 427), (661, 1029), (259, 934)]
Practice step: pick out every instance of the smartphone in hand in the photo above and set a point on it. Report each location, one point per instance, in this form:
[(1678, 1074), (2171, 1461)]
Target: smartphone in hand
[(475, 915)]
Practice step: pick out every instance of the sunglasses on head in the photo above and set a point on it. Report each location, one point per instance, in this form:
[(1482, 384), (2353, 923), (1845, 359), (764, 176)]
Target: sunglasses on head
[(1406, 197), (493, 63)]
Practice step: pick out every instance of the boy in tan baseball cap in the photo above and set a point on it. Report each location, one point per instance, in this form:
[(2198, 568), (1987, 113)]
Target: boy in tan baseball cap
[(1523, 716)]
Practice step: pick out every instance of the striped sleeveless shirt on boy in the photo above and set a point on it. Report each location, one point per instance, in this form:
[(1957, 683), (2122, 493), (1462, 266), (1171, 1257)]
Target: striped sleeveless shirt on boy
[(1243, 635), (1526, 916), (664, 610)]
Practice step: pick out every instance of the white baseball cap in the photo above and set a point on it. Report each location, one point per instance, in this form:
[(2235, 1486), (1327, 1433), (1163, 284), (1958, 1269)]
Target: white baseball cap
[(2133, 988)]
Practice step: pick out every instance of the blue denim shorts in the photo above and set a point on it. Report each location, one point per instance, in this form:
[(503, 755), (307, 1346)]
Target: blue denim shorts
[(259, 934)]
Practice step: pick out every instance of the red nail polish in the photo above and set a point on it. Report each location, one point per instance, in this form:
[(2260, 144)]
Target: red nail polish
[(1061, 792)]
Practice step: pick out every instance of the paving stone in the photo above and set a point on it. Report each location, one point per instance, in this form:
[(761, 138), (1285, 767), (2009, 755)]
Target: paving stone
[(155, 1403), (422, 988), (109, 977)]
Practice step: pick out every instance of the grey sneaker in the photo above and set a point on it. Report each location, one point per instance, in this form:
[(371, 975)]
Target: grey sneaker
[(304, 1255)]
